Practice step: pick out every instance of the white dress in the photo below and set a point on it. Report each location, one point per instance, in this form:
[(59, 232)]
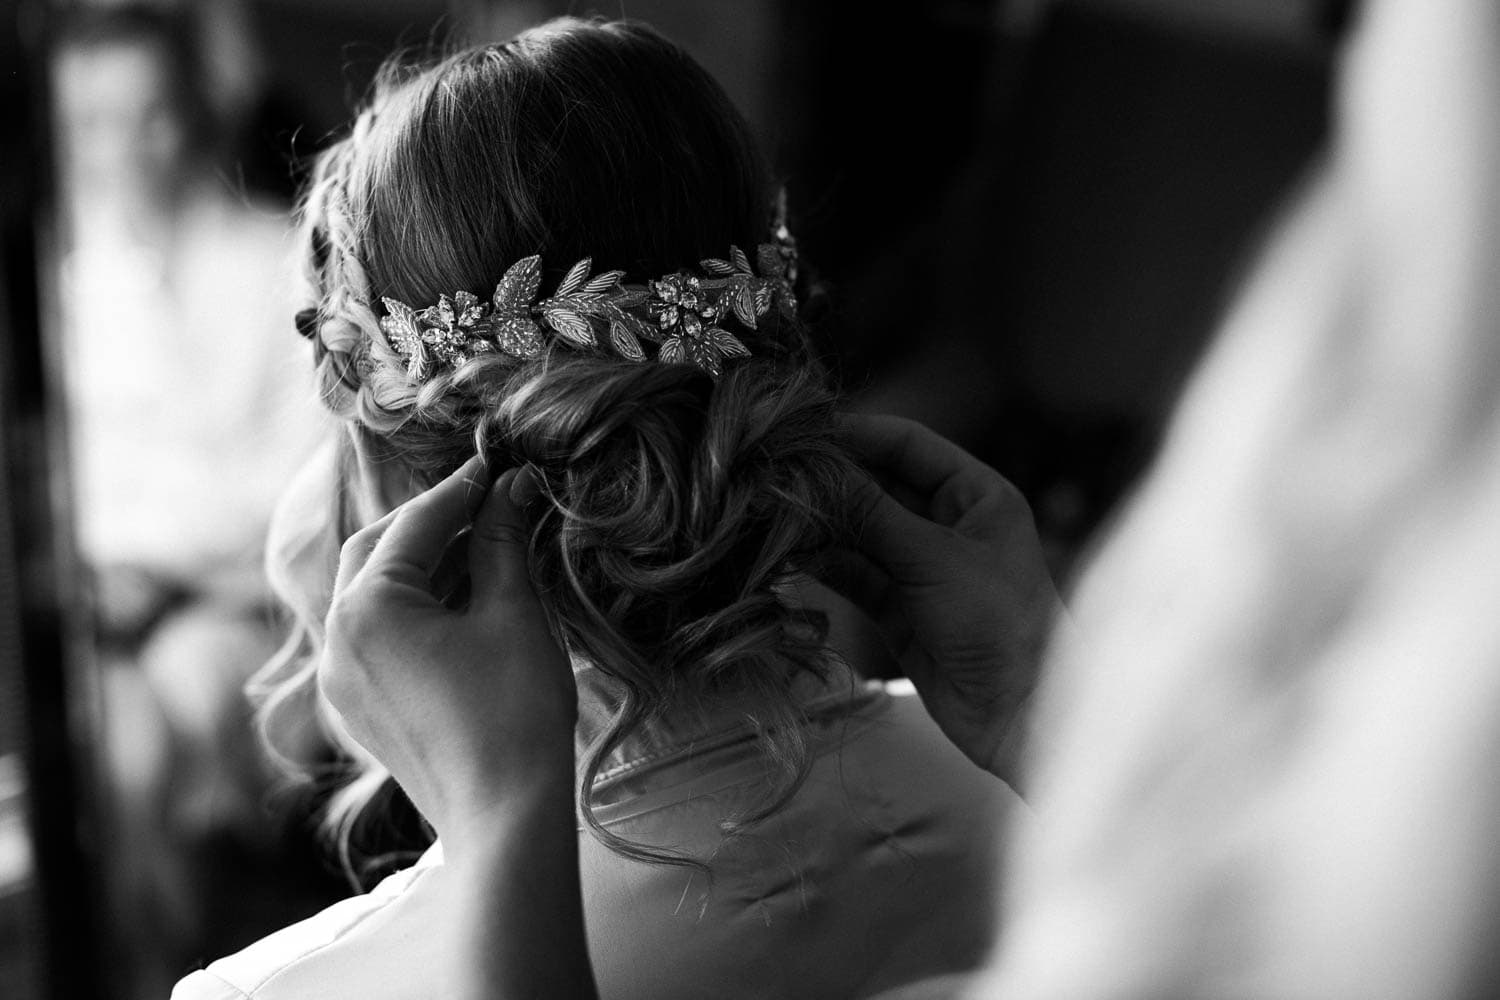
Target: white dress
[(883, 869)]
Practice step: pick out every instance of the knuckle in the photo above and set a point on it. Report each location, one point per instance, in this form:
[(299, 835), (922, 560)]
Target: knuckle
[(333, 681), (1003, 494), (354, 547), (1003, 505), (351, 623), (345, 612), (343, 674), (1010, 497), (356, 541)]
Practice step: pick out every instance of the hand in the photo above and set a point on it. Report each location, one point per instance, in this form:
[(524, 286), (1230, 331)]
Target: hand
[(468, 709), (951, 569)]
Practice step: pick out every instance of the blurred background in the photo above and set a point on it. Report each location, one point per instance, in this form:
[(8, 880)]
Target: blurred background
[(1028, 215)]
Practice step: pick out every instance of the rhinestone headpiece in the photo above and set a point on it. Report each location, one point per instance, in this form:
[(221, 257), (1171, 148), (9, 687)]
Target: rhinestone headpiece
[(684, 314)]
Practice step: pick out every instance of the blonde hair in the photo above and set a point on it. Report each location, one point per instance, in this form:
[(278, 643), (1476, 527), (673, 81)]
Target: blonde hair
[(676, 506)]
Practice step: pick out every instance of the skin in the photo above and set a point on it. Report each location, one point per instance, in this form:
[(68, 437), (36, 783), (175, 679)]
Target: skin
[(473, 710), (950, 567)]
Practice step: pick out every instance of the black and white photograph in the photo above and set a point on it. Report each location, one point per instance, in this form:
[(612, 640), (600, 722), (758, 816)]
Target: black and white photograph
[(739, 499)]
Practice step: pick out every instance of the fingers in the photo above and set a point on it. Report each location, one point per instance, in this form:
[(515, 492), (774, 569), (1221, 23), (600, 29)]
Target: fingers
[(894, 538), (411, 547), (411, 543), (356, 551), (497, 546), (526, 486), (856, 577), (916, 458)]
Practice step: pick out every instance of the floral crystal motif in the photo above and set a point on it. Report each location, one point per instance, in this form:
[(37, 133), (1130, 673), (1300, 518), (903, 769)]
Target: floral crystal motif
[(684, 314)]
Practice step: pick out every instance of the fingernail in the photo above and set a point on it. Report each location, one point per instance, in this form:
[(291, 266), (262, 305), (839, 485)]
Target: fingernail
[(477, 470), (477, 482)]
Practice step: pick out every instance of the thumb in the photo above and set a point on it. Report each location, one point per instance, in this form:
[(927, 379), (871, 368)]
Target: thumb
[(409, 542), (498, 547)]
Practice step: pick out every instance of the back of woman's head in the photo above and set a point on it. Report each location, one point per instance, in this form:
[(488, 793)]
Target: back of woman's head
[(676, 500)]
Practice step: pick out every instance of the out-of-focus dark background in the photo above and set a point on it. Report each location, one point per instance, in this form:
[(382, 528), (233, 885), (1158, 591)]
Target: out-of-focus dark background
[(1027, 214)]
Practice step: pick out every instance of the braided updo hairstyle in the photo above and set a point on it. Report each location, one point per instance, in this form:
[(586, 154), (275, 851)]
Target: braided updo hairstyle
[(676, 504)]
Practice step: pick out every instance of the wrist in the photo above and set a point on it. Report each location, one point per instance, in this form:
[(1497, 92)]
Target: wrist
[(517, 897), (539, 801)]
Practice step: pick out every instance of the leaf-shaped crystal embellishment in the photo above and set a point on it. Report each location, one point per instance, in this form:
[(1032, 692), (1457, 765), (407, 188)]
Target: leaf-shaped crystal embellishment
[(574, 278), (668, 317), (742, 301), (671, 351), (570, 326), (517, 290), (405, 336), (416, 363), (625, 342), (400, 321), (727, 343), (470, 310), (740, 261), (714, 265), (603, 282), (691, 324), (705, 356), (639, 329), (583, 302), (763, 293), (519, 336)]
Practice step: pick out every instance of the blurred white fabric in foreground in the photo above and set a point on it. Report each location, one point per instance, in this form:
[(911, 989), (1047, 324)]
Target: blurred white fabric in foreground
[(1268, 768)]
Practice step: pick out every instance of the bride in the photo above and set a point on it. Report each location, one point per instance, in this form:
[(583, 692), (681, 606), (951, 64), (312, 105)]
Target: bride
[(565, 252)]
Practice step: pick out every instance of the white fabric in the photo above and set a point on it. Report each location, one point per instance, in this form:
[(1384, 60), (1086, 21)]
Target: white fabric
[(882, 869)]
